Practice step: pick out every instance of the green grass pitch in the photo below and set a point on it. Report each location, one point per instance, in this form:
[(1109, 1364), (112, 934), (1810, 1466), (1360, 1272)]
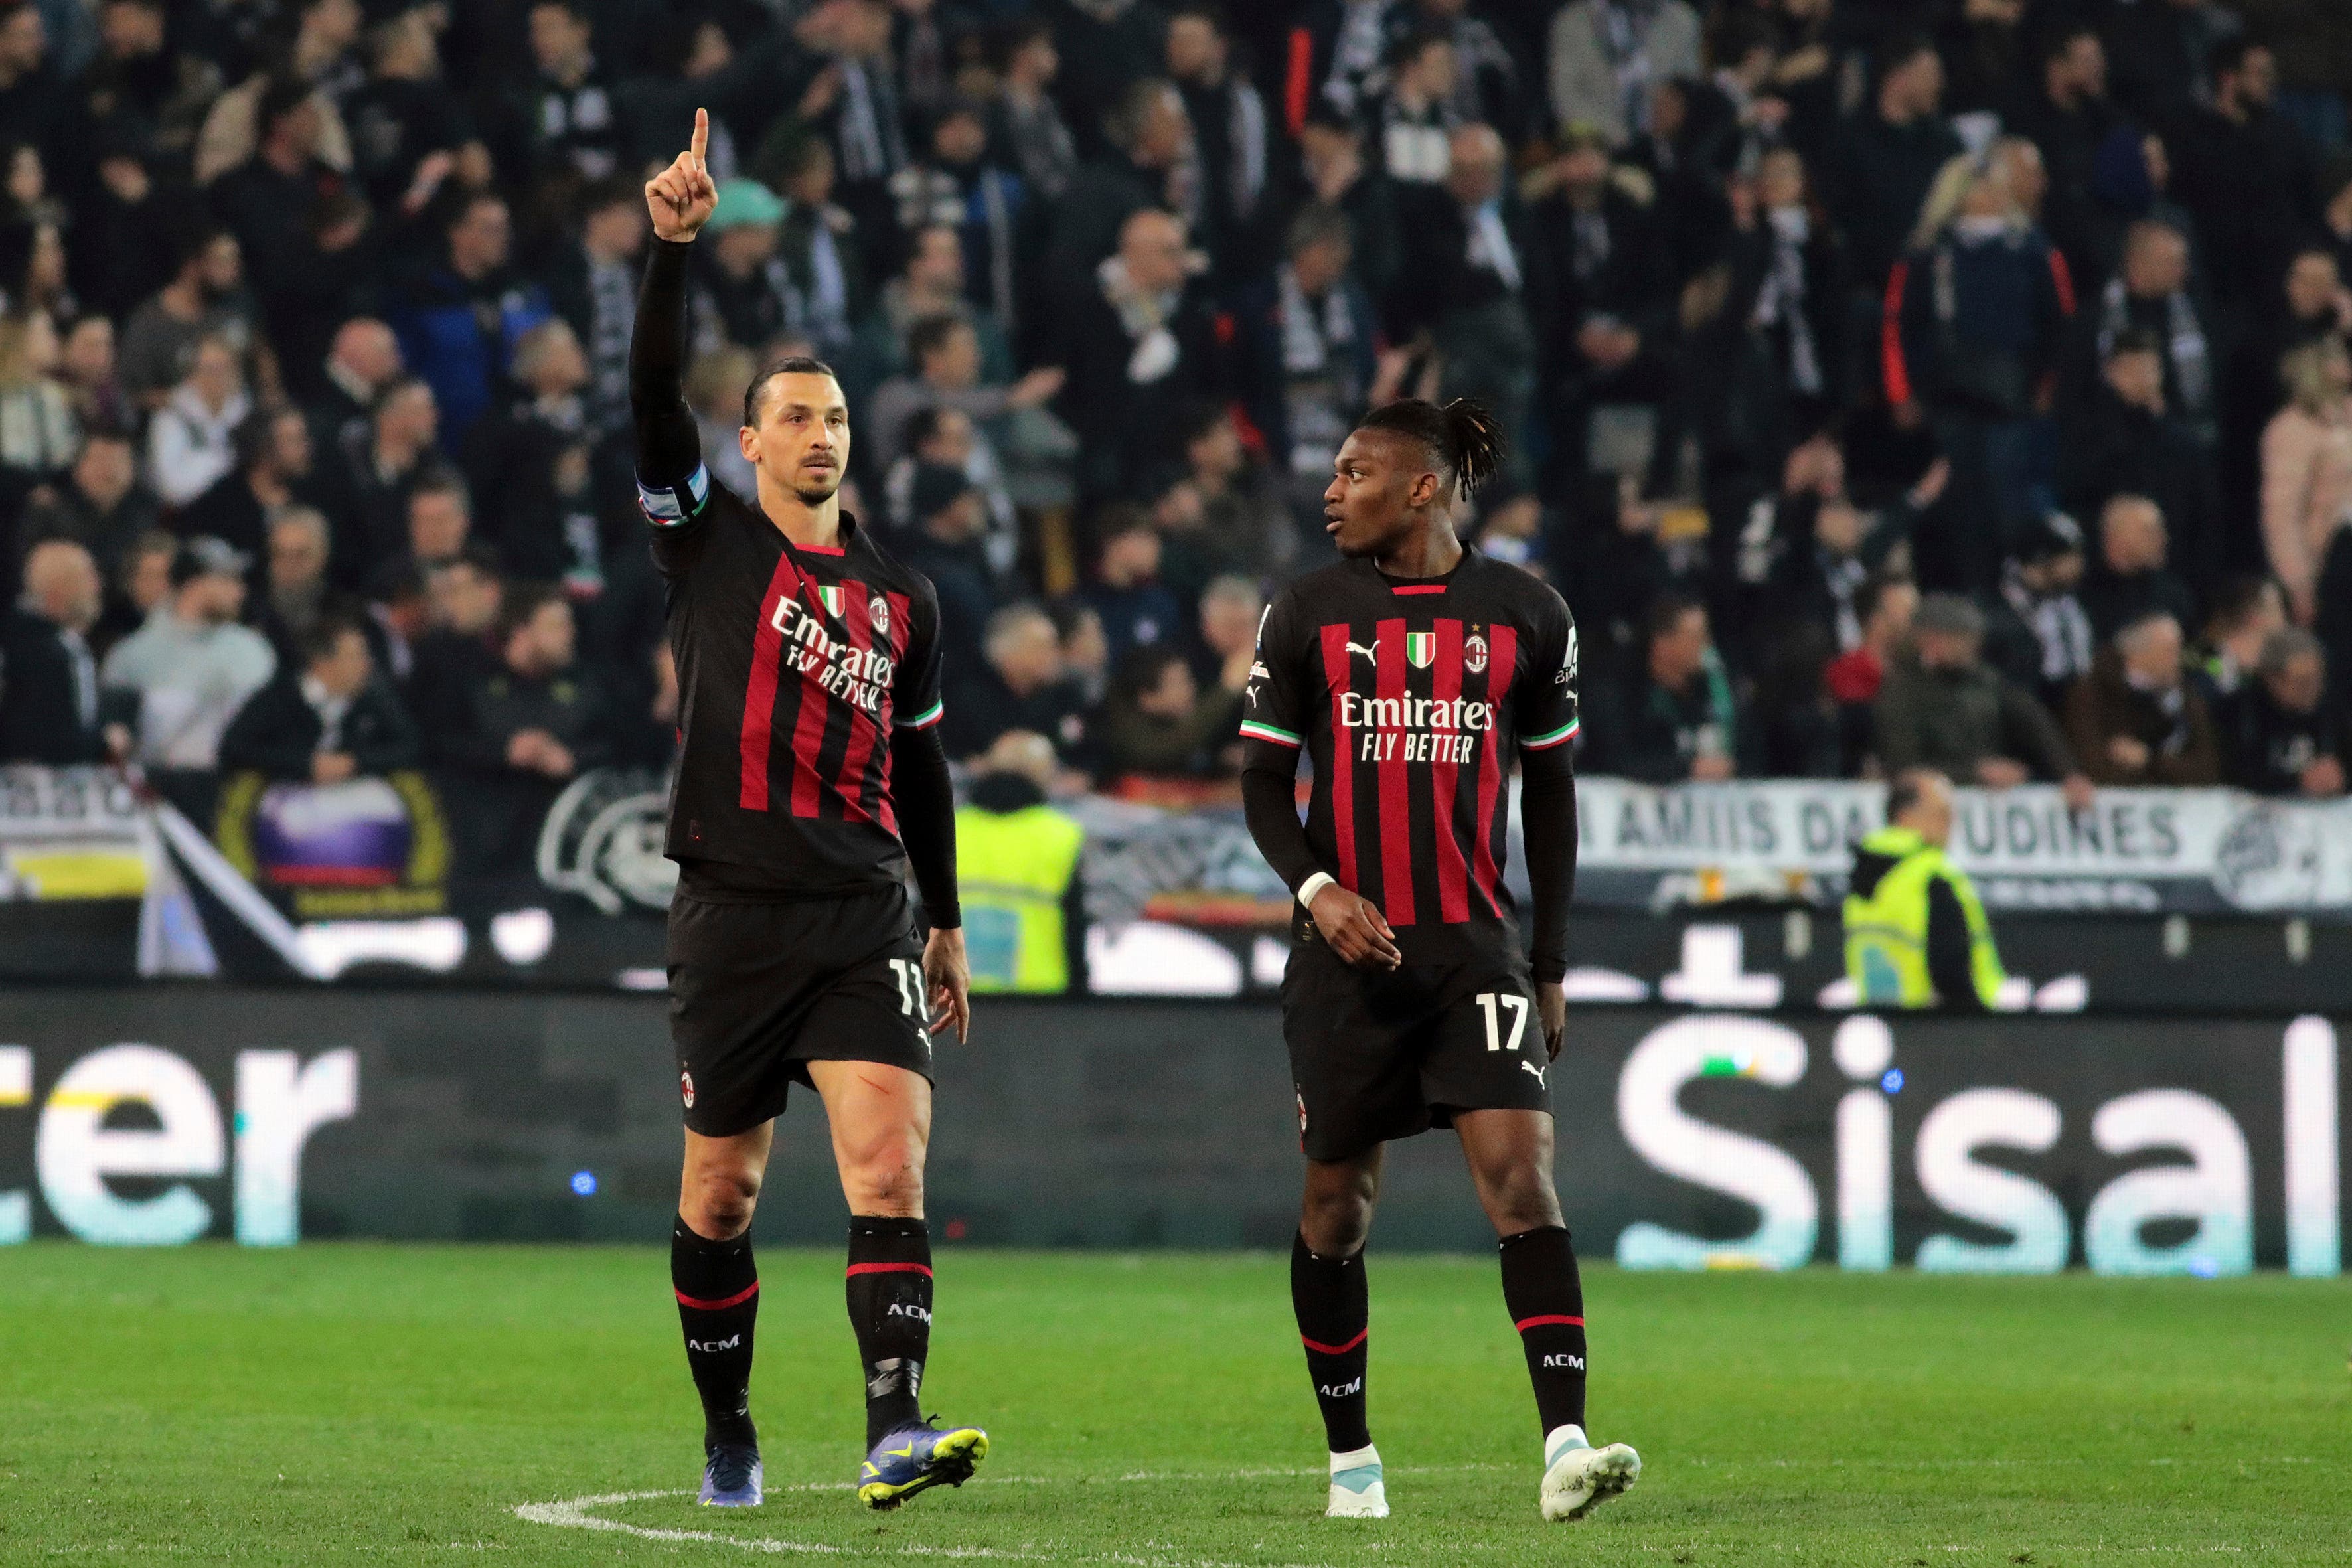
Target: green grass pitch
[(377, 1404)]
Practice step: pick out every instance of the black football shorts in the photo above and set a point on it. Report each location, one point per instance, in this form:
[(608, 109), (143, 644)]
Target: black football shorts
[(759, 991), (1377, 1054)]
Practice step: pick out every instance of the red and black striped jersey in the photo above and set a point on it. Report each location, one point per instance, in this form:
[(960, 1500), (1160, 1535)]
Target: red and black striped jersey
[(795, 665), (1413, 696)]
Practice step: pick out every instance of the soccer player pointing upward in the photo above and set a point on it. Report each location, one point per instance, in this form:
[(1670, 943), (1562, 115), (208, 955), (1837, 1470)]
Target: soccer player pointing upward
[(1412, 672), (810, 771)]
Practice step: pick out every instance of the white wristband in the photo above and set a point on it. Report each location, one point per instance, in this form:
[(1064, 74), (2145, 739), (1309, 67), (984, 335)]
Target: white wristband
[(1313, 886)]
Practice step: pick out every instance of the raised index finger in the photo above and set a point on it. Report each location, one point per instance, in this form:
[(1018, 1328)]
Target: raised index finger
[(701, 138)]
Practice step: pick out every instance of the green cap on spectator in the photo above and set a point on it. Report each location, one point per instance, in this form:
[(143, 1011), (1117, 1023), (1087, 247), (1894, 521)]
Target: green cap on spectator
[(744, 202)]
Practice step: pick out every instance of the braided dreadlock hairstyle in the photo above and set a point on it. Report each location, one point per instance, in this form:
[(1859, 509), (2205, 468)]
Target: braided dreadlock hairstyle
[(1462, 436)]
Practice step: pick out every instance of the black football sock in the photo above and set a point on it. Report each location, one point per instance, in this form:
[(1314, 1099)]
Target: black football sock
[(1547, 1303), (718, 1288), (890, 1309), (1334, 1309)]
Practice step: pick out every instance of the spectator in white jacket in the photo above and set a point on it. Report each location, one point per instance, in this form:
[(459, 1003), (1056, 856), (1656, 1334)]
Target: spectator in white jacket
[(1606, 55), (191, 666), (191, 443)]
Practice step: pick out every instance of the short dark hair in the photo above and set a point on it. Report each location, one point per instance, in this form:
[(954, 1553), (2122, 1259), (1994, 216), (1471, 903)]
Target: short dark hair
[(439, 480), (2235, 601), (522, 604), (930, 334), (924, 424), (1465, 439), (2230, 54), (2059, 39), (1317, 223), (1145, 667), (1124, 121), (1413, 45), (1667, 612), (326, 634), (1897, 51), (2135, 340), (281, 95), (791, 365), (1118, 519)]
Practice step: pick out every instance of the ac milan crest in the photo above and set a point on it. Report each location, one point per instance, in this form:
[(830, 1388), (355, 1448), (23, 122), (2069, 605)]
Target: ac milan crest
[(881, 608), (1474, 653), (685, 1089)]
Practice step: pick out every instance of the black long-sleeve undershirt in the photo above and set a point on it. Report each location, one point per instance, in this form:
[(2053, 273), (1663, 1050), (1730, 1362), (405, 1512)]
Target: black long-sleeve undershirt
[(925, 798), (1548, 822), (669, 447), (1270, 807)]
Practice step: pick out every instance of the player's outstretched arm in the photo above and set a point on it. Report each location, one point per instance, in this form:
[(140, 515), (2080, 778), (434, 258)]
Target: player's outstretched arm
[(670, 452)]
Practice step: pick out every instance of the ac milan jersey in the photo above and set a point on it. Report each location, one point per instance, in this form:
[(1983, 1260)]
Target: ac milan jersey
[(794, 665), (1413, 696)]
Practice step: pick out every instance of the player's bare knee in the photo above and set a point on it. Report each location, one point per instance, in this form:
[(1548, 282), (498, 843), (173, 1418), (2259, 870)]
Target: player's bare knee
[(1337, 1223), (888, 1182), (717, 1204), (1521, 1199)]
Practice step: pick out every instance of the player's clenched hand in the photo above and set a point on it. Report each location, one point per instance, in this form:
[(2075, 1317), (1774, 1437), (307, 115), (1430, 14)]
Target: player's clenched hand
[(1355, 928), (1551, 1011), (947, 980), (680, 197)]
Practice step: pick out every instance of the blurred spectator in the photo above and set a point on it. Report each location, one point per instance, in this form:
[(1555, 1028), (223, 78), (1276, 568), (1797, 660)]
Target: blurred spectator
[(1889, 157), (743, 290), (1138, 347), (1018, 860), (294, 592), (191, 443), (2132, 579), (273, 462), (821, 248), (2134, 719), (1149, 140), (2244, 172), (1159, 721), (2150, 291), (1333, 173), (48, 681), (1943, 707), (527, 464), (2069, 120), (1233, 140), (99, 506), (1137, 609), (86, 374), (202, 301), (1790, 281), (2037, 633), (513, 741), (1467, 284), (2284, 737), (1675, 714), (187, 671), (439, 522), (300, 229), (1975, 329), (461, 315), (565, 120), (1019, 684), (2311, 303), (1085, 650), (1027, 122), (1223, 642), (957, 185), (2246, 611), (1604, 53), (1415, 112), (2307, 468), (945, 546), (407, 123), (139, 580), (946, 353), (364, 359), (1222, 516), (1306, 342), (2129, 443), (38, 431), (594, 285), (714, 390), (1884, 606), (370, 497), (325, 720), (452, 645), (855, 104), (930, 285)]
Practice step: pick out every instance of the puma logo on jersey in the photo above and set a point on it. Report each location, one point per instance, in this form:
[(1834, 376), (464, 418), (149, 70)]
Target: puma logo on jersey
[(1372, 653), (1530, 1066)]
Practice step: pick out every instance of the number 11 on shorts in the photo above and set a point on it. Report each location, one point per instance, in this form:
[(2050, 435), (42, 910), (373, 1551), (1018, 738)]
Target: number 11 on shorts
[(909, 975), (1492, 1003)]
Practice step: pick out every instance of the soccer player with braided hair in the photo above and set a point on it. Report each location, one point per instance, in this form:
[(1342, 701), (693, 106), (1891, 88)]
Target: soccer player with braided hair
[(1415, 672)]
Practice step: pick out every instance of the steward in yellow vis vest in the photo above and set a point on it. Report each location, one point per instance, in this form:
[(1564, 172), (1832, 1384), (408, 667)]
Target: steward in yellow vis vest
[(1016, 871), (1915, 933)]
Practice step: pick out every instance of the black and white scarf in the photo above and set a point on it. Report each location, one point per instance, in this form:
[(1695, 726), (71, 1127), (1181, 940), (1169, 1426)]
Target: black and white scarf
[(2186, 349), (1780, 302)]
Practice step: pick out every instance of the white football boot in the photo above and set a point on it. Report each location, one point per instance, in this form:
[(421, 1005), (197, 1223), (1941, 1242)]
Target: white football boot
[(1356, 1489), (1579, 1478)]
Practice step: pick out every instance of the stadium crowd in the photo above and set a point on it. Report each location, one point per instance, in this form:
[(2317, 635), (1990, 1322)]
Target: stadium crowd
[(1891, 382)]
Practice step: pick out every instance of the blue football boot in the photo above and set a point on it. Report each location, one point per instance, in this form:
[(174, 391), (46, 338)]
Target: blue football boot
[(913, 1458), (731, 1476)]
